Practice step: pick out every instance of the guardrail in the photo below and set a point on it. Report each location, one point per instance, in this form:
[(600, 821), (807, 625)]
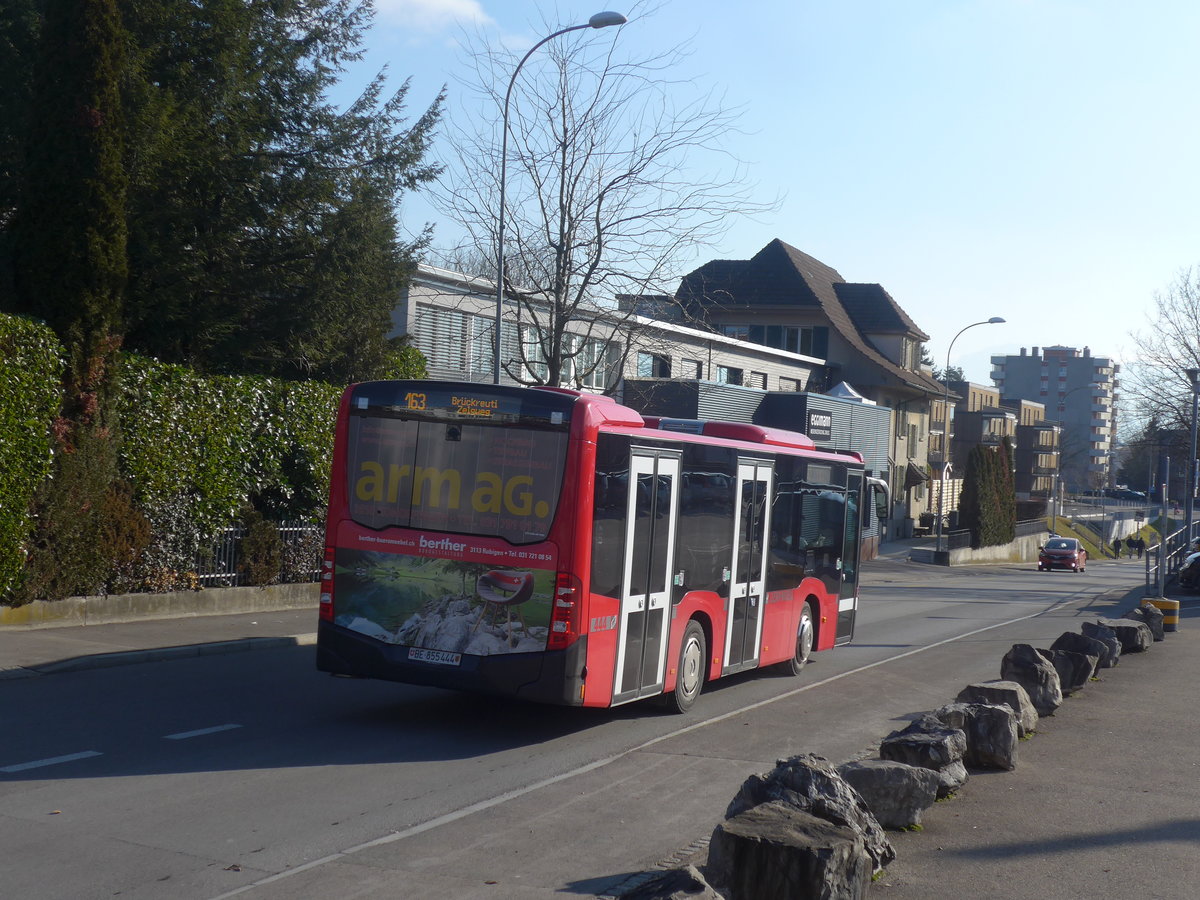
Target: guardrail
[(1165, 559)]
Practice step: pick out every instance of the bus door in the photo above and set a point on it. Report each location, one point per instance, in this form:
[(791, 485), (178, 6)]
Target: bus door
[(848, 593), (747, 594), (646, 585)]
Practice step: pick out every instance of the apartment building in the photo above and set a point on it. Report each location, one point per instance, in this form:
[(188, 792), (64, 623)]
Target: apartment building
[(1079, 392)]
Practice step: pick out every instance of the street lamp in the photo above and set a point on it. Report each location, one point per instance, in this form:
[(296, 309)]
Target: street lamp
[(994, 320), (599, 20), (1189, 501)]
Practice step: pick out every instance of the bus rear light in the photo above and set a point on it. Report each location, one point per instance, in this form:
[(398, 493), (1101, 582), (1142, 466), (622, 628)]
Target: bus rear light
[(564, 619), (327, 568)]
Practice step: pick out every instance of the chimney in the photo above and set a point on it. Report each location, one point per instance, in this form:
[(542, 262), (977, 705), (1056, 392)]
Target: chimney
[(1022, 351), (1035, 352), (1087, 352)]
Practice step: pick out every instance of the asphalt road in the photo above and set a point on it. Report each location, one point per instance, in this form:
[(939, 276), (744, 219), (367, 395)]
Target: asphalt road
[(252, 774)]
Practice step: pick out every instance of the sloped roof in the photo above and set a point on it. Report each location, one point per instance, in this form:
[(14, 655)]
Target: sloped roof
[(781, 275), (875, 312)]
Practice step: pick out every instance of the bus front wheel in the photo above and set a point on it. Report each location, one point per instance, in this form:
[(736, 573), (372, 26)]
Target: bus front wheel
[(804, 640), (693, 653)]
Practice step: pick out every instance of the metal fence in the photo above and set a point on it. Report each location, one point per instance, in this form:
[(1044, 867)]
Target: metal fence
[(219, 563)]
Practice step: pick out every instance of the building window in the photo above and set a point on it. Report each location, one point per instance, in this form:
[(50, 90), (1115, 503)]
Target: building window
[(729, 375), (651, 365), (456, 342), (585, 363), (808, 340), (693, 368), (532, 354), (790, 384), (758, 380)]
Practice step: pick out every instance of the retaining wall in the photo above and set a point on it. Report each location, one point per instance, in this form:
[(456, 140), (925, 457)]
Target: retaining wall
[(138, 607)]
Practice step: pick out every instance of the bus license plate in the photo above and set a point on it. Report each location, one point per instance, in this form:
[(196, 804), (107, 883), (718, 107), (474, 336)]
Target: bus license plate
[(441, 657)]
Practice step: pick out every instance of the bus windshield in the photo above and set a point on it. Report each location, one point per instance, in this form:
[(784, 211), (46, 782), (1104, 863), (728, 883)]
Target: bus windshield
[(500, 480)]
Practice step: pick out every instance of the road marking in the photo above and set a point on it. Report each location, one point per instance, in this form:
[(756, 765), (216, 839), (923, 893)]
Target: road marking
[(51, 761), (184, 735), (482, 805)]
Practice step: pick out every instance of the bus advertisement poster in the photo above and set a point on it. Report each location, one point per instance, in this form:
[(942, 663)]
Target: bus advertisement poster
[(456, 606)]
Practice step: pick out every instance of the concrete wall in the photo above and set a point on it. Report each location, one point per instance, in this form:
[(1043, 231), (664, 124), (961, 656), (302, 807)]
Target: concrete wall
[(1023, 549), (138, 607)]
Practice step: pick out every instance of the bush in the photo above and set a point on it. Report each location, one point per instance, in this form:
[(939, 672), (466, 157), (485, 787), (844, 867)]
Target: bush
[(261, 557), (127, 504), (31, 368)]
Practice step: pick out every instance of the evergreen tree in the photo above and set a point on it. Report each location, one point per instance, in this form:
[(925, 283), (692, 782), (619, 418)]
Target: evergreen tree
[(68, 231), (1006, 495), (970, 500), (263, 234)]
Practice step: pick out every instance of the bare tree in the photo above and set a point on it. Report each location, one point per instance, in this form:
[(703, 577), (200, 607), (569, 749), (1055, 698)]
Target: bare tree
[(617, 178), (1158, 381)]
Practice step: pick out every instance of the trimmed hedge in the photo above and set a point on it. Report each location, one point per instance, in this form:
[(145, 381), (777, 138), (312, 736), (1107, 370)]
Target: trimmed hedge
[(194, 452), (31, 368), (218, 443)]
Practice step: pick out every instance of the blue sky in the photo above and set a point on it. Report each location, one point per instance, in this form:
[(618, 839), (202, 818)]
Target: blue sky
[(1031, 159)]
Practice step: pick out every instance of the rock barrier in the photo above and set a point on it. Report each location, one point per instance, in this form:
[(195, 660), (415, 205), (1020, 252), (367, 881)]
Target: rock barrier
[(808, 828)]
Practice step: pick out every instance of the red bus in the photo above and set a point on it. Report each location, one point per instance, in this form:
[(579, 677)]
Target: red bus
[(556, 546)]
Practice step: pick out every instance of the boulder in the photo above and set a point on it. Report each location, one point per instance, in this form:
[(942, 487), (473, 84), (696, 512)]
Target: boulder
[(1152, 616), (1074, 669), (1076, 642), (674, 884), (1004, 692), (929, 744), (775, 851), (1024, 665), (895, 792), (1135, 636), (812, 784), (1108, 637), (991, 730)]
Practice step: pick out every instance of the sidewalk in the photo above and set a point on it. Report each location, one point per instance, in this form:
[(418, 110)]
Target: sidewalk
[(1105, 799), (29, 652)]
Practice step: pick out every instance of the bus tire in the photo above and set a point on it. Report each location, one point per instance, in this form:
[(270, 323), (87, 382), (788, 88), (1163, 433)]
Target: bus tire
[(689, 679), (805, 637)]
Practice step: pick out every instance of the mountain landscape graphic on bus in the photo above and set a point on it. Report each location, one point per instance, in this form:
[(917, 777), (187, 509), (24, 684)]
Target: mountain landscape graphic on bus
[(443, 604)]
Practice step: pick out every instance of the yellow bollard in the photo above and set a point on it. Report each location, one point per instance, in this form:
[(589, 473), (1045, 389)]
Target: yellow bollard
[(1170, 611)]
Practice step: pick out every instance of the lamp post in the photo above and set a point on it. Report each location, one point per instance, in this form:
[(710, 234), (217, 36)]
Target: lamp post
[(599, 20), (1189, 501), (994, 320)]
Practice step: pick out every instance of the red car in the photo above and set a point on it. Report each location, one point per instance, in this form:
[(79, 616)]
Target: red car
[(1062, 553)]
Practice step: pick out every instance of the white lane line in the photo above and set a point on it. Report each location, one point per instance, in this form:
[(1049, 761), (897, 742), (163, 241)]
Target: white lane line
[(51, 761), (184, 735), (482, 805)]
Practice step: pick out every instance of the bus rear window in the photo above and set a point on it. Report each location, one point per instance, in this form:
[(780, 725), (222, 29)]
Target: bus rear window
[(495, 480)]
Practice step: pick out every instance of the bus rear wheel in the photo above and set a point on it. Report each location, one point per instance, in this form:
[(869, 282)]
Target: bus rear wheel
[(693, 654), (805, 635)]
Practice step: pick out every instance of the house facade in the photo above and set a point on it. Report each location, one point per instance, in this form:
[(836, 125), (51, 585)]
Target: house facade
[(736, 332), (451, 319), (784, 297)]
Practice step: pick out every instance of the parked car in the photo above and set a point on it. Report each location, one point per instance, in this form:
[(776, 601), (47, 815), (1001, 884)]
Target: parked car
[(1189, 574), (1062, 553)]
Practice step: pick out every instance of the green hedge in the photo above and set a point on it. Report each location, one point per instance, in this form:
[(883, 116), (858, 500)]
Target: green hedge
[(31, 367), (217, 444), (195, 452)]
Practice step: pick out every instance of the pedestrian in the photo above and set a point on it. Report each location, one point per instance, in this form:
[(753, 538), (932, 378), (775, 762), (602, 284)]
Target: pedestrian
[(1141, 546), (1117, 548), (1130, 545)]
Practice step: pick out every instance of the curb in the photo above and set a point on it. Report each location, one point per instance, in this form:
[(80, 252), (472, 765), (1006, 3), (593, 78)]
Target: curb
[(157, 654)]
